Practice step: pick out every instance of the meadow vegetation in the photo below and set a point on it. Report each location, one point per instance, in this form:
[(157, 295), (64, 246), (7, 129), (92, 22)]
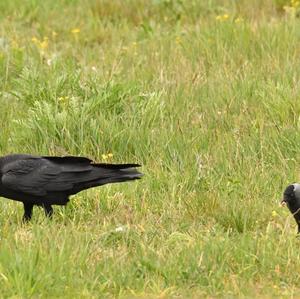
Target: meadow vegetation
[(203, 94)]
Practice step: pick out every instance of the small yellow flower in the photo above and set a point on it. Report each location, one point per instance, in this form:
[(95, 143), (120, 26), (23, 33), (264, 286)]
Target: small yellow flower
[(274, 214), (295, 3), (41, 44), (75, 30), (178, 40), (63, 99), (54, 33), (107, 156), (238, 20), (222, 17), (44, 44)]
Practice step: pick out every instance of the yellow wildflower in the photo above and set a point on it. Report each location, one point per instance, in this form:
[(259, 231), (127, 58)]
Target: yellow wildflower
[(63, 99), (274, 214), (295, 3), (238, 20), (75, 30), (107, 156), (178, 40), (222, 17), (44, 44), (54, 33)]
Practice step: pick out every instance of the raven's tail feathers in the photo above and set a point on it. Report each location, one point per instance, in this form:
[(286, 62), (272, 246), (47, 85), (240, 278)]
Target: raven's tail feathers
[(115, 166), (121, 171), (109, 173)]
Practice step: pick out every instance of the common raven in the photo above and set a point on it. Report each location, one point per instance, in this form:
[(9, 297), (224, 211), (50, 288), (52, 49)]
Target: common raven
[(291, 198), (46, 181)]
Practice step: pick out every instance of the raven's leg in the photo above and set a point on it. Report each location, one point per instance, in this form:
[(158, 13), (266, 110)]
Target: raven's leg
[(48, 210), (27, 211)]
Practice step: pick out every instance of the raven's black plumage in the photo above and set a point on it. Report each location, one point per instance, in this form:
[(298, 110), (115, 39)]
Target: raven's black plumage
[(47, 181)]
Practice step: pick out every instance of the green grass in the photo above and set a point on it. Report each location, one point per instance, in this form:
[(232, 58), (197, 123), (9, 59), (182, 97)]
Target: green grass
[(211, 110)]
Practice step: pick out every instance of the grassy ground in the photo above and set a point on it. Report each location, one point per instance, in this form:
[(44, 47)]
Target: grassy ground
[(205, 95)]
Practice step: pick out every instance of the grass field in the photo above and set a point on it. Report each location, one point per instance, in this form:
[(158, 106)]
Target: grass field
[(205, 95)]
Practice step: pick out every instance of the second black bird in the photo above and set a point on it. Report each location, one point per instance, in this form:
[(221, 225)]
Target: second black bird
[(291, 198)]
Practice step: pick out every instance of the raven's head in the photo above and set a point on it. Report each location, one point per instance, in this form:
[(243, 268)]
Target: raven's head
[(291, 195), (291, 198)]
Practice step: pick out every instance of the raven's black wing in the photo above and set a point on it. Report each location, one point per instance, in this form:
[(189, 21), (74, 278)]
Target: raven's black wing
[(41, 175), (37, 176)]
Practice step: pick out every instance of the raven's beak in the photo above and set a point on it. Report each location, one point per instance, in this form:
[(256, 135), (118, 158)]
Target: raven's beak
[(283, 203)]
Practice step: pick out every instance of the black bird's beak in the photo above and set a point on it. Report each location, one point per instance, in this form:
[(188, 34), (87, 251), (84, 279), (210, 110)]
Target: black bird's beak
[(283, 203)]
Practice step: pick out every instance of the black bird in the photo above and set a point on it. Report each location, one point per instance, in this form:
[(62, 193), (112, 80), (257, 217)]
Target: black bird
[(291, 198), (46, 181)]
